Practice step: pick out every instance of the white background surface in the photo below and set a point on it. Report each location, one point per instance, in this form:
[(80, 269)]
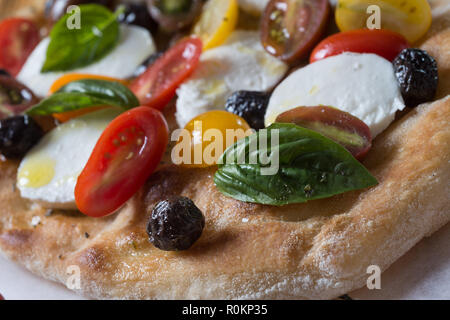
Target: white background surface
[(423, 273)]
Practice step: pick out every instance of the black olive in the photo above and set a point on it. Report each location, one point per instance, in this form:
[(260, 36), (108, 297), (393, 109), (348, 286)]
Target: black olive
[(417, 74), (3, 72), (14, 96), (18, 135), (147, 62), (174, 15), (250, 105), (139, 15), (175, 224)]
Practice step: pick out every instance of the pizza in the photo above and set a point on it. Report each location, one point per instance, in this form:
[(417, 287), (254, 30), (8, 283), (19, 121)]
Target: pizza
[(222, 150)]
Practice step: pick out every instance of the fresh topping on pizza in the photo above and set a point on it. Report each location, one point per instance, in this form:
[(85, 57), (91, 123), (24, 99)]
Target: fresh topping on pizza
[(173, 15), (296, 166), (363, 85), (158, 84), (135, 13), (175, 224), (340, 126), (126, 154), (18, 37), (411, 18), (291, 28), (49, 171), (14, 96), (240, 63), (250, 105), (217, 22), (417, 74), (18, 134), (205, 138), (385, 43)]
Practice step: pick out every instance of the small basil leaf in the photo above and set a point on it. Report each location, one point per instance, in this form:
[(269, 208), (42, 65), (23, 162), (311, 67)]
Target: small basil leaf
[(311, 166), (84, 94), (72, 48), (114, 91)]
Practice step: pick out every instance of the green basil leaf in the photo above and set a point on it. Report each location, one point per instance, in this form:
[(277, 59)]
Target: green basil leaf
[(75, 48), (84, 94), (311, 166)]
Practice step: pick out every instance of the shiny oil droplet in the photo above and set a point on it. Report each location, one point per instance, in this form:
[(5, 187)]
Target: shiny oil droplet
[(36, 172)]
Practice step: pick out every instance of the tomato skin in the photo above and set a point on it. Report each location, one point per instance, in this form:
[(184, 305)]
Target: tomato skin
[(340, 126), (290, 29), (18, 38), (385, 43), (157, 85), (127, 153)]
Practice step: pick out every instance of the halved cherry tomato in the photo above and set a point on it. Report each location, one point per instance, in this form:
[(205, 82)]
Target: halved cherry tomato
[(291, 28), (385, 43), (411, 18), (340, 126), (157, 85), (15, 97), (18, 38), (67, 78), (217, 21), (204, 132), (127, 153), (1, 297)]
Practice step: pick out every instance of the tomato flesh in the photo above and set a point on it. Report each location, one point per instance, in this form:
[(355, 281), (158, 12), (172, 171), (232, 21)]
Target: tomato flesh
[(18, 38), (157, 85), (291, 28), (127, 153), (340, 126), (385, 43)]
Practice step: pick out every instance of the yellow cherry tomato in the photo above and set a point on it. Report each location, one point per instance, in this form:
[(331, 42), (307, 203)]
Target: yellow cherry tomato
[(217, 21), (411, 18), (206, 137)]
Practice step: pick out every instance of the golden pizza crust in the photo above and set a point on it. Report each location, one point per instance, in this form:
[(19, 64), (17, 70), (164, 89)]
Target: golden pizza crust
[(320, 249)]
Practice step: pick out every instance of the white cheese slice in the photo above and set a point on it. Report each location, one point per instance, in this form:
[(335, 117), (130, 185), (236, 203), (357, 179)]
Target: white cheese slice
[(134, 46), (49, 171), (363, 85), (240, 64)]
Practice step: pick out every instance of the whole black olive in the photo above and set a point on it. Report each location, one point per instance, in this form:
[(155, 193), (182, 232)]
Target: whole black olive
[(174, 15), (417, 75), (14, 96), (175, 224), (18, 135), (250, 105), (137, 14)]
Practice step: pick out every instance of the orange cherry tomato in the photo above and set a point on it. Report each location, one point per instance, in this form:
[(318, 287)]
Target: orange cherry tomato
[(340, 126), (18, 38), (127, 153), (157, 85), (385, 43), (67, 78), (291, 28)]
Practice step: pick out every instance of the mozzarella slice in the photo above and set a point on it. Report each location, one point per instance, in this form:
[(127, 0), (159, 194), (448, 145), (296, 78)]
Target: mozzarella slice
[(363, 85), (240, 64), (255, 7), (134, 46), (49, 171)]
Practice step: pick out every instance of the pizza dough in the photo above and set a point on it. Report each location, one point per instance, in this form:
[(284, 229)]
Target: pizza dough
[(317, 250)]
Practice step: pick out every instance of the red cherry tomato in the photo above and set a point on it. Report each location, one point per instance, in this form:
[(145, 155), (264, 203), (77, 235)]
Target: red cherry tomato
[(1, 297), (385, 43), (18, 38), (340, 126), (291, 28), (127, 153), (157, 85)]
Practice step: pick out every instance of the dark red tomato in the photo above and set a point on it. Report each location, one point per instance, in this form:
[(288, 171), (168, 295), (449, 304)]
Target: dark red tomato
[(18, 38), (14, 97), (385, 43), (291, 28), (335, 124), (157, 85), (127, 153), (1, 297)]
